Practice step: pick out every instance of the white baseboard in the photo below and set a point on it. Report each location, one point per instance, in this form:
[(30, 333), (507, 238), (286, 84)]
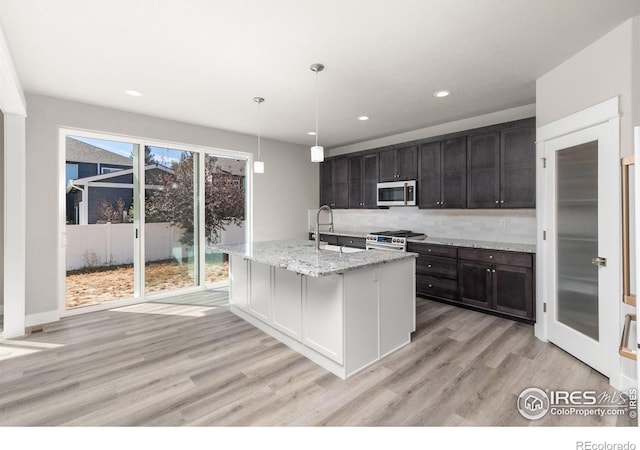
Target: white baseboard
[(41, 318)]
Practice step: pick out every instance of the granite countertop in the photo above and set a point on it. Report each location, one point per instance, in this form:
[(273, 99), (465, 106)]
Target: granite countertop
[(490, 245), (300, 256)]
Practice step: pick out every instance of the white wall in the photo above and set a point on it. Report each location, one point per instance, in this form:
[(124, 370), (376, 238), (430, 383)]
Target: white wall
[(282, 195), (597, 73), (607, 68)]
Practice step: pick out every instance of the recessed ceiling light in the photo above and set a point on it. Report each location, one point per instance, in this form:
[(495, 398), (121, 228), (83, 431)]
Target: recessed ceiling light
[(133, 93), (441, 94), (363, 118), (311, 133)]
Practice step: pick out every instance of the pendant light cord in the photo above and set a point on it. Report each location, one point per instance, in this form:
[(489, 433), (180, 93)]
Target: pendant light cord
[(316, 108), (259, 122)]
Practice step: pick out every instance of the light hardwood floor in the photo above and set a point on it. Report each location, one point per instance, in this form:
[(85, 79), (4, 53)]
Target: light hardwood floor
[(170, 365)]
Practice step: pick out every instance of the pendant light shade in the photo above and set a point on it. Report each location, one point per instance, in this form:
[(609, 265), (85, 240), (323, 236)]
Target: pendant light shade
[(317, 151), (258, 164)]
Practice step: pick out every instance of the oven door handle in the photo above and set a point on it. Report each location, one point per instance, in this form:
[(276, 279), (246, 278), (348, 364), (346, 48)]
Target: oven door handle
[(389, 248)]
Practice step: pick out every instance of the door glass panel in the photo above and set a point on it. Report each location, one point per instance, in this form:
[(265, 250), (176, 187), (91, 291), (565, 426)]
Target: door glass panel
[(577, 237), (100, 204), (171, 218), (224, 216)]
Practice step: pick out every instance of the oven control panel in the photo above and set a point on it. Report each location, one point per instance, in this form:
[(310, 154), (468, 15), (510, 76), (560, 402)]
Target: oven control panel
[(386, 239)]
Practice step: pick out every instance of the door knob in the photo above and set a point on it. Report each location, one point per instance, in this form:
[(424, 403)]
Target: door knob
[(599, 261)]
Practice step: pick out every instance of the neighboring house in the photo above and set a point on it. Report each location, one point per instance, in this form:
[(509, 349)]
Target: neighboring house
[(83, 161), (97, 177), (89, 193)]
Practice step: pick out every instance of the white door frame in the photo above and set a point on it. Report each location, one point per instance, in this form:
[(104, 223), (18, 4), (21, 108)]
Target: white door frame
[(604, 113)]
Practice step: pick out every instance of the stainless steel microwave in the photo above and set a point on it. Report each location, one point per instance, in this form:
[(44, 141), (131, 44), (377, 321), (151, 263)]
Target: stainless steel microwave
[(397, 193)]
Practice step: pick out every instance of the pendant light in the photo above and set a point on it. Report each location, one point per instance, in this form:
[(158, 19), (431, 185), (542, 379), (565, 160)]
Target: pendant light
[(258, 164), (317, 151)]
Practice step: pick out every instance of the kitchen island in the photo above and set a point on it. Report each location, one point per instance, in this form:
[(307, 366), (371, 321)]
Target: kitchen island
[(342, 308)]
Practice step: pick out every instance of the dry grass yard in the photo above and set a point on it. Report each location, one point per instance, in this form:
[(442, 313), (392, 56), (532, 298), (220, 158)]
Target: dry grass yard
[(85, 288)]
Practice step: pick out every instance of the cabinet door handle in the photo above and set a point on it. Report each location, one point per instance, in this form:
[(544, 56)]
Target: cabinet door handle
[(429, 266), (429, 250), (497, 202), (490, 256), (488, 270), (493, 270), (431, 285), (442, 203), (501, 201)]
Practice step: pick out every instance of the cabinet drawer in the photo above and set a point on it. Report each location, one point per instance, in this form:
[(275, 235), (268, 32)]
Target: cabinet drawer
[(438, 287), (352, 241), (437, 267), (328, 238), (433, 249), (496, 257)]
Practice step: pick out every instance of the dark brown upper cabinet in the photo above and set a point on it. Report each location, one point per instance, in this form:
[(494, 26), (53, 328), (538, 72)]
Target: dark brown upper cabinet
[(399, 164), (518, 167), (334, 188), (442, 174), (363, 180), (501, 168)]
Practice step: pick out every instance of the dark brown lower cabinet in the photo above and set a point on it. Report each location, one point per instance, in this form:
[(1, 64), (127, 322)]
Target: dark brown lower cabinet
[(436, 271), (494, 281), (498, 281), (347, 241), (475, 283)]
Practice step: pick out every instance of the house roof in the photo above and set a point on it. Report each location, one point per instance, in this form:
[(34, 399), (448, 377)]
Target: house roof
[(231, 166), (78, 151), (105, 177)]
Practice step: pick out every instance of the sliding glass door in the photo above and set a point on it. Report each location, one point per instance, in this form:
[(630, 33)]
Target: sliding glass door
[(100, 192)]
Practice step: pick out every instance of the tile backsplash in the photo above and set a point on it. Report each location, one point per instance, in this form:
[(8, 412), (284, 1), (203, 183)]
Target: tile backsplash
[(509, 225)]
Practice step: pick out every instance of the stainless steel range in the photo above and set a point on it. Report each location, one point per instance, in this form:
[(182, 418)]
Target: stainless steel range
[(391, 240)]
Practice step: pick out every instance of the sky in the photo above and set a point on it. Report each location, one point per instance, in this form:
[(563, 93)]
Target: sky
[(164, 156)]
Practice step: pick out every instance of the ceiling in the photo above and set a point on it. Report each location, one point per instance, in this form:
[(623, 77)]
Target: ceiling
[(203, 61)]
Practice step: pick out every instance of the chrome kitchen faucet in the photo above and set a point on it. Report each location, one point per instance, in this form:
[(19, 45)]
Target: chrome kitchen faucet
[(326, 208)]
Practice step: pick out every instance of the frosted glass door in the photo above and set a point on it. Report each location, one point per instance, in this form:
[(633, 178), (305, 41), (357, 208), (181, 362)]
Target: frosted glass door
[(582, 246), (577, 238)]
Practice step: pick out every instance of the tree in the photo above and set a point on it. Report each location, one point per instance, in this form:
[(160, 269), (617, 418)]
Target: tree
[(110, 212), (173, 198)]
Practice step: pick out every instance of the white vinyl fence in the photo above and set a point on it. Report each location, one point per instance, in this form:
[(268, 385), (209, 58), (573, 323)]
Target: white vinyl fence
[(110, 244)]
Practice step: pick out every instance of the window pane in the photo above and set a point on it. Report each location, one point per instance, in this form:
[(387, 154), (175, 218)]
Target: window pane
[(224, 211)]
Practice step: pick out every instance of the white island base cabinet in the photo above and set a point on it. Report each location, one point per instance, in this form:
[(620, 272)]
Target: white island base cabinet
[(342, 322)]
